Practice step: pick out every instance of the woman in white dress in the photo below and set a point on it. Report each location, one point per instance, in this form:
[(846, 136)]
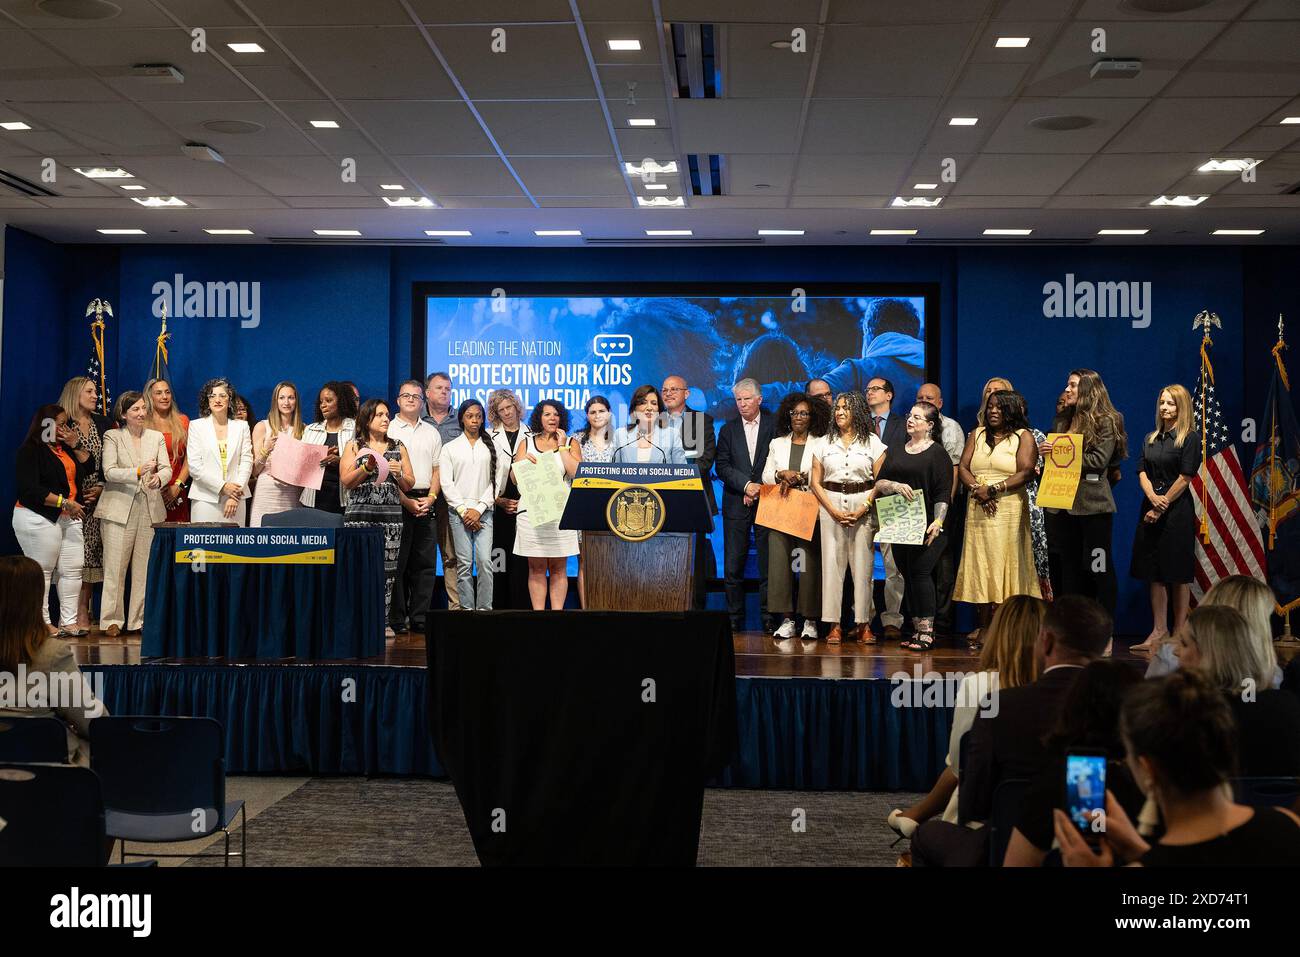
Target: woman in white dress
[(547, 547), (270, 494), (220, 457)]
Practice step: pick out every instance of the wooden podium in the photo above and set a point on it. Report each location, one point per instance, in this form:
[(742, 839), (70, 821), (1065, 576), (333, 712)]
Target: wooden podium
[(657, 573)]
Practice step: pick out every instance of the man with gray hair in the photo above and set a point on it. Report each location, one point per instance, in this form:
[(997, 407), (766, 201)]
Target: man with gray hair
[(742, 454)]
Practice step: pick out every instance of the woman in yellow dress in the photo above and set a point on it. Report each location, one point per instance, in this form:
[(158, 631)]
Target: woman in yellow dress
[(997, 560)]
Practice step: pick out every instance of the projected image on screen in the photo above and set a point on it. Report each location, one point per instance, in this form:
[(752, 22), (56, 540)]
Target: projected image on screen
[(570, 348)]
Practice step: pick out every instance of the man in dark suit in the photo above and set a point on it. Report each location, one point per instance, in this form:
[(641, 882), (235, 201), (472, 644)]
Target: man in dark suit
[(1006, 740), (891, 426), (696, 430), (742, 453)]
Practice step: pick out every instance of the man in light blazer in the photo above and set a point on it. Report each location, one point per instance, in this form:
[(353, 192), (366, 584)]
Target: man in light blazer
[(128, 506), (742, 454)]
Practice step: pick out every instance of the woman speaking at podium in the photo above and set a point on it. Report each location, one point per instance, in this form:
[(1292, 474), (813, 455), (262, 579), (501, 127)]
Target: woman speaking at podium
[(643, 441)]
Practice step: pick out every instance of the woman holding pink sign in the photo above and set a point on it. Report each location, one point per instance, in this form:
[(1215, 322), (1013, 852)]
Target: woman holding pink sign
[(270, 495), (375, 470)]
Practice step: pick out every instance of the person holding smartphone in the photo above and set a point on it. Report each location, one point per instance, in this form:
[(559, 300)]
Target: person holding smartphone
[(336, 423)]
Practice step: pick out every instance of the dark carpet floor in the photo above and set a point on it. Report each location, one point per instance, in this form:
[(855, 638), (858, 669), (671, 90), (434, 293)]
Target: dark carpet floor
[(333, 822)]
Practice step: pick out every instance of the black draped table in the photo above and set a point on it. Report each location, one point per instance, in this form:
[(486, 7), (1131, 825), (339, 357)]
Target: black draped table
[(309, 612), (582, 737)]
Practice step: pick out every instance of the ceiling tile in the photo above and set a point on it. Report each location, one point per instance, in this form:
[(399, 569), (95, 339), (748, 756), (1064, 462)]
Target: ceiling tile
[(366, 62), (868, 126), (447, 176), (883, 61), (540, 63), (1016, 175), (562, 127), (840, 175), (1249, 59), (1014, 134), (433, 128), (570, 176), (735, 126), (1191, 124)]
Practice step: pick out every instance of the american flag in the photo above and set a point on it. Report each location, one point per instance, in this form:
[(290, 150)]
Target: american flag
[(95, 366), (1222, 498)]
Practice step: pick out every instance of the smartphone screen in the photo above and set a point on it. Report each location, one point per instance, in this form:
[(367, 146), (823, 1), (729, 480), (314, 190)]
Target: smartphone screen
[(1085, 790)]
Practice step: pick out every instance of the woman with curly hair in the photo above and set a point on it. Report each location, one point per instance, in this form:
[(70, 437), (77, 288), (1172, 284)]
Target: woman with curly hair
[(1084, 530), (843, 473), (220, 456), (801, 425), (997, 560)]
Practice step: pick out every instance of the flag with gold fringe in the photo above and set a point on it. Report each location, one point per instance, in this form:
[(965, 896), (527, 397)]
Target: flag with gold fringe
[(1229, 541), (95, 370), (1275, 483), (159, 368)]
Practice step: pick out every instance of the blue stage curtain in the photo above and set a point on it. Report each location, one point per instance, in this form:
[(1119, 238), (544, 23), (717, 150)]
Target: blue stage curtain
[(315, 719), (310, 612), (795, 734), (807, 734)]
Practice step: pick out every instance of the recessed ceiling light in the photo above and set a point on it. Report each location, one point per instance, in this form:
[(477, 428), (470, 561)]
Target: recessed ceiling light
[(1177, 201), (641, 122), (625, 44), (1122, 232), (1012, 42), (1007, 232), (780, 232), (661, 201), (325, 124), (650, 166), (229, 232), (448, 232), (391, 186), (557, 232), (893, 232), (1290, 120), (925, 186), (1226, 166), (132, 186), (923, 202), (337, 232), (410, 202), (1238, 232), (246, 47), (780, 44), (103, 172), (963, 120), (669, 232), (14, 126), (656, 186), (121, 232), (159, 201)]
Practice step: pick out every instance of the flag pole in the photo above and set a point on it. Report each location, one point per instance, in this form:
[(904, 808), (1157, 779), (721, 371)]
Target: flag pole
[(1287, 637), (1203, 319)]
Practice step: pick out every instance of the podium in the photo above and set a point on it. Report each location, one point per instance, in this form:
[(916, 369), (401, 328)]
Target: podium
[(637, 523)]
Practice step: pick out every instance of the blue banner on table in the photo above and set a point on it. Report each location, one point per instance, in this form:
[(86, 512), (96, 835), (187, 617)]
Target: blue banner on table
[(255, 546), (1275, 489)]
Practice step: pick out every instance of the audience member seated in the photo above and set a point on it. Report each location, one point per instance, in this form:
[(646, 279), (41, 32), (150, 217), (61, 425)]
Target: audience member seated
[(1007, 742), (1217, 641), (1006, 661), (25, 642), (1255, 600), (1089, 721), (1181, 742)]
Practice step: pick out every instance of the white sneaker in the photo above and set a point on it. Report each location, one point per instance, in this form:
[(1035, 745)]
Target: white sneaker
[(809, 630), (786, 630)]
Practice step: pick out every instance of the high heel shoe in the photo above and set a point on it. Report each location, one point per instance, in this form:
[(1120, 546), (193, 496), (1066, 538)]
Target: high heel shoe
[(1150, 645), (904, 827)]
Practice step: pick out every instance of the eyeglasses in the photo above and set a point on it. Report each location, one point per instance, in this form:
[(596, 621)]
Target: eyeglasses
[(800, 415), (671, 391), (876, 388), (408, 395)]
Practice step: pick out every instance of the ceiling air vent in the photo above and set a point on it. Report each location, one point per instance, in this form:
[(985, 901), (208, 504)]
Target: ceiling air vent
[(22, 187), (697, 59), (706, 173)]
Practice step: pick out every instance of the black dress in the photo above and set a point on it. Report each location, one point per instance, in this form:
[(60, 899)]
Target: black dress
[(1163, 551), (327, 499)]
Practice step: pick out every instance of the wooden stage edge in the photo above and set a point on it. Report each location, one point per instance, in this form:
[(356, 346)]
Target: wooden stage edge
[(758, 655)]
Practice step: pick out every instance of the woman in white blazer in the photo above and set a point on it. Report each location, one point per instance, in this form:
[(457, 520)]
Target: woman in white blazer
[(136, 467), (799, 436), (220, 457), (643, 440)]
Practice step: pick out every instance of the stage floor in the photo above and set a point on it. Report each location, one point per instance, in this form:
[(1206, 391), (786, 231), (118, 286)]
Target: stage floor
[(758, 655)]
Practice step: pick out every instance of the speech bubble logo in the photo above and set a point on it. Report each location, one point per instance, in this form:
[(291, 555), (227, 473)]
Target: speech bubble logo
[(609, 346)]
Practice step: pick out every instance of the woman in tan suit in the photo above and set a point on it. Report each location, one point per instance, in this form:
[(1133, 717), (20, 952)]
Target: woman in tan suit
[(136, 467)]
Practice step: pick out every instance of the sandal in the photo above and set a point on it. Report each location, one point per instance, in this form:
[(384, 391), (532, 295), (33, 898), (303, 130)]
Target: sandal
[(835, 635), (864, 636), (922, 642), (973, 640)]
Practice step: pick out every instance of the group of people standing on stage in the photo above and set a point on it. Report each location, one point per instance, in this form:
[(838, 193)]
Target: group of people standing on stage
[(986, 539), (90, 488)]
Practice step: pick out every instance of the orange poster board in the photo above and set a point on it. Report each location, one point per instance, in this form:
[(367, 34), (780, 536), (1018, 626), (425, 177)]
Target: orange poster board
[(794, 513)]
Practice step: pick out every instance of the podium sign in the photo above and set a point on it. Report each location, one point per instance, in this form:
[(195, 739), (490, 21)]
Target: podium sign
[(636, 501)]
